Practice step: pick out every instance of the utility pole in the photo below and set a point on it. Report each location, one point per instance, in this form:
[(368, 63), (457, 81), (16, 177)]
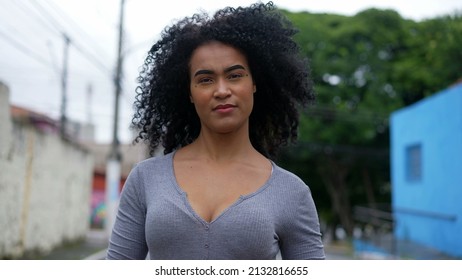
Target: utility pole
[(113, 165), (64, 86), (89, 103)]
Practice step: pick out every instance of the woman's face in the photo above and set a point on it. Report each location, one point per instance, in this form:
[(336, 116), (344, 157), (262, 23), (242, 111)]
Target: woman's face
[(221, 87)]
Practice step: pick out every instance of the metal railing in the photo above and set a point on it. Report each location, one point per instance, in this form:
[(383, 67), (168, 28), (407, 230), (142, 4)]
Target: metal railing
[(375, 224)]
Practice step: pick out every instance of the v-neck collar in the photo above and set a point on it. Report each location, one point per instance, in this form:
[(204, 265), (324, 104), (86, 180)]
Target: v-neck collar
[(241, 198)]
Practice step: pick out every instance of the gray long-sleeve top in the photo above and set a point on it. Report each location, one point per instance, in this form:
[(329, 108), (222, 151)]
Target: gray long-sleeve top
[(155, 216)]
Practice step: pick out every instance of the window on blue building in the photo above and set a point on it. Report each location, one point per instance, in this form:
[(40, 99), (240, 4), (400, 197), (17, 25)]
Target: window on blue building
[(414, 163)]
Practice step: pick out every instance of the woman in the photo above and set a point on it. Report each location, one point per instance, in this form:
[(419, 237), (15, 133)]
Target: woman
[(220, 95)]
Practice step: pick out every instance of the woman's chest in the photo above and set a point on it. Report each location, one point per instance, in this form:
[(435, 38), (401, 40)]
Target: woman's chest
[(212, 190), (245, 230)]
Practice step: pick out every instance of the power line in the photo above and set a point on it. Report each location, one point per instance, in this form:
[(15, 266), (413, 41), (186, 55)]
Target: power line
[(90, 57), (36, 12), (54, 26), (75, 26), (94, 59), (17, 11), (24, 49), (80, 47), (48, 17), (38, 17)]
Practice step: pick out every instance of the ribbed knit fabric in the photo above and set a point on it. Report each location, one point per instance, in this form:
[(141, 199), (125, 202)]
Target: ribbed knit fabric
[(155, 216)]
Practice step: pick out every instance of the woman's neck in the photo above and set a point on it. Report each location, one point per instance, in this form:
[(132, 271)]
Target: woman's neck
[(222, 150), (223, 147)]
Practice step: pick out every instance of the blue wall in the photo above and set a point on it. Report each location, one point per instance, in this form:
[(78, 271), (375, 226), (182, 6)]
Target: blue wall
[(428, 208)]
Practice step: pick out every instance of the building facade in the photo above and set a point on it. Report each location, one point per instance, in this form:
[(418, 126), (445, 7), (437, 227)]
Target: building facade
[(45, 183), (426, 171)]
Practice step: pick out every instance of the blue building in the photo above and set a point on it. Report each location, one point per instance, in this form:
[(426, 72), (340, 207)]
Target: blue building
[(426, 171)]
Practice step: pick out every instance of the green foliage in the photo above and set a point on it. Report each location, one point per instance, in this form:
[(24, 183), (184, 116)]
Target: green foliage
[(431, 60), (364, 67)]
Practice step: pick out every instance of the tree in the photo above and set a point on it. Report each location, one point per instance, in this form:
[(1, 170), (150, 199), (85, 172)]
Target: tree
[(364, 67)]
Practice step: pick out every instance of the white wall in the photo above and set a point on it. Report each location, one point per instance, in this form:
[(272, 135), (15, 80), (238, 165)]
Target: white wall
[(45, 187)]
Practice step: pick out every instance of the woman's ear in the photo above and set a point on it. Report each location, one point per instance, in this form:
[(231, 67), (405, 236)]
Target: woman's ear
[(254, 88), (190, 98)]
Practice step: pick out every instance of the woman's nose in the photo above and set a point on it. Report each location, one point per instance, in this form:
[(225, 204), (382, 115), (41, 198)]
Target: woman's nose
[(222, 90)]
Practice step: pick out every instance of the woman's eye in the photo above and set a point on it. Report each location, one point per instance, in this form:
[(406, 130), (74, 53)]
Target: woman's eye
[(205, 81), (235, 76)]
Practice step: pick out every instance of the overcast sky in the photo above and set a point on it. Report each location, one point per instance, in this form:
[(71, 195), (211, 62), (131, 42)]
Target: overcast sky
[(32, 44)]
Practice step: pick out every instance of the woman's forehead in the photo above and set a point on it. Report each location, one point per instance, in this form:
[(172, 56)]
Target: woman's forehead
[(216, 55)]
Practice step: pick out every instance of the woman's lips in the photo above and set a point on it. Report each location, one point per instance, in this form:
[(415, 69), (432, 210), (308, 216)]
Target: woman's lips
[(225, 108)]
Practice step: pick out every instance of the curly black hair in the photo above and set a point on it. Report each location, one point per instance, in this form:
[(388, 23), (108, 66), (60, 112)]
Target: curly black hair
[(163, 111)]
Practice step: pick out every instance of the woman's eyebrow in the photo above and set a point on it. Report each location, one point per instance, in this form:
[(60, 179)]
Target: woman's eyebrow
[(203, 72), (234, 67), (228, 69)]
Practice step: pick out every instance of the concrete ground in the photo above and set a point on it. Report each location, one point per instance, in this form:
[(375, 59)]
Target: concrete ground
[(94, 248), (95, 245)]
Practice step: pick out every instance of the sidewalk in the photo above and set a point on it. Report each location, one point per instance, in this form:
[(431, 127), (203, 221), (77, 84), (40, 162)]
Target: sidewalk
[(92, 248), (95, 245), (387, 247), (339, 251)]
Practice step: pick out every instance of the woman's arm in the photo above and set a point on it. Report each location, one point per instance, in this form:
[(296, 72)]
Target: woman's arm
[(128, 240), (302, 236)]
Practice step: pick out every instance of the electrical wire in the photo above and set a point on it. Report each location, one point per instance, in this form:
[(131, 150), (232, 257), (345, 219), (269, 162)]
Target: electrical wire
[(24, 49), (79, 47), (38, 18)]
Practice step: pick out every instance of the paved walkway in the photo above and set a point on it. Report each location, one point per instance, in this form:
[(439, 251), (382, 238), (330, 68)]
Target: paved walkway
[(386, 247), (94, 248)]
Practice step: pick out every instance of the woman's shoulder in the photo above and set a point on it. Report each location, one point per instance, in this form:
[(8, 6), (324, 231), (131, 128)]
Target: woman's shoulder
[(159, 163), (287, 175), (290, 181)]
